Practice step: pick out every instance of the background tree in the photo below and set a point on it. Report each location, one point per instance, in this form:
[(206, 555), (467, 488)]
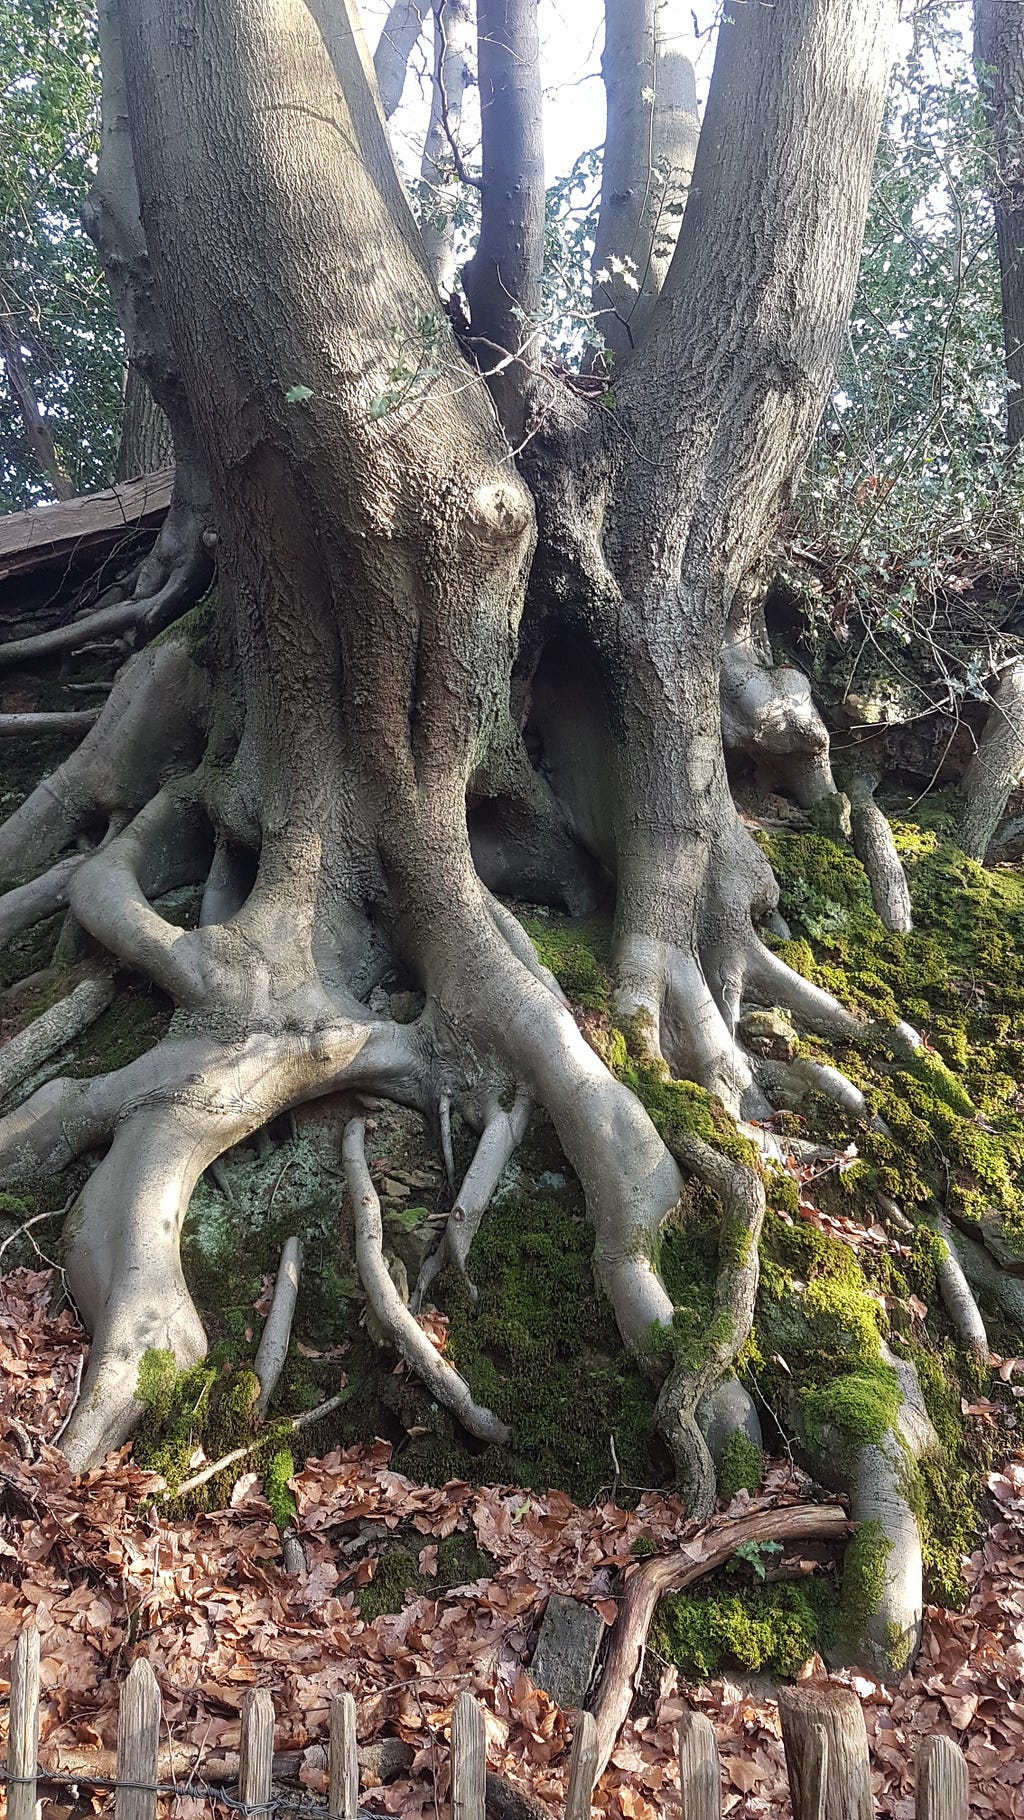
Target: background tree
[(61, 353)]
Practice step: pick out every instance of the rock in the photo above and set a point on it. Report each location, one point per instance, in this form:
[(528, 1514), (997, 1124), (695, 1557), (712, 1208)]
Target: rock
[(411, 1233), (405, 1007), (563, 1661), (769, 1033), (726, 1410), (1007, 1247)]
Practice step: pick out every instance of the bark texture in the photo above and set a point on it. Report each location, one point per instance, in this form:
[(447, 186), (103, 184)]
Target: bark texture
[(999, 53)]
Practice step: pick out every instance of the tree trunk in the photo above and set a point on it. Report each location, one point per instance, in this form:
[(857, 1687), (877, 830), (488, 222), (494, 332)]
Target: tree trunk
[(650, 145), (999, 53), (146, 442), (40, 441), (997, 766), (354, 686)]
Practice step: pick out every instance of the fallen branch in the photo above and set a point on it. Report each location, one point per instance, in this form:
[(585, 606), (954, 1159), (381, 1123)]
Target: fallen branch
[(76, 720), (650, 1580), (21, 1055), (293, 1426)]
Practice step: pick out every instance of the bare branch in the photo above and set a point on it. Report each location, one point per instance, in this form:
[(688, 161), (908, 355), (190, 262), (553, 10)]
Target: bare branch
[(402, 28)]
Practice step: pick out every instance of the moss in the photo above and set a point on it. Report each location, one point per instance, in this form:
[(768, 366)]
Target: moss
[(577, 953), (134, 1023), (742, 1467), (861, 1404), (398, 1576), (158, 1375), (276, 1489), (772, 1629), (863, 1582), (541, 1349)]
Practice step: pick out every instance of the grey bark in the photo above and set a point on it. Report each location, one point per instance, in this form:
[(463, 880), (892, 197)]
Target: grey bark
[(398, 38), (146, 441), (997, 766), (999, 51), (503, 277), (649, 150), (453, 33)]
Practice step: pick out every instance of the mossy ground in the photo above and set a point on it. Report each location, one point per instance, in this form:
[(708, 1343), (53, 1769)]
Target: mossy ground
[(760, 1629)]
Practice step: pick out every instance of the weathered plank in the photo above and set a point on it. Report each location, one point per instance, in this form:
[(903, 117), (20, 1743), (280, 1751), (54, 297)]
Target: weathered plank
[(23, 1744), (44, 533), (138, 1744)]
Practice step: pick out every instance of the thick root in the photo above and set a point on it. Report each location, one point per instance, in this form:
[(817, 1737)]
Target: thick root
[(741, 1194), (876, 1479), (769, 714), (997, 766), (876, 850)]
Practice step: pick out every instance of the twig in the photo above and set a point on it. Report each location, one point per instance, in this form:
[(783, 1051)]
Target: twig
[(294, 1424)]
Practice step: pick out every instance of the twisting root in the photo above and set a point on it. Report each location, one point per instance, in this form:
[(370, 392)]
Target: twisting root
[(741, 1195), (40, 898), (400, 1327), (502, 1135), (876, 850)]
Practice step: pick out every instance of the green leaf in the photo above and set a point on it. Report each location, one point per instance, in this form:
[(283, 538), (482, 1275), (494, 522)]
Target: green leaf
[(297, 394)]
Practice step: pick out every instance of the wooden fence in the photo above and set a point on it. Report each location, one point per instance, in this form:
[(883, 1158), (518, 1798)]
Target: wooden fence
[(823, 1728)]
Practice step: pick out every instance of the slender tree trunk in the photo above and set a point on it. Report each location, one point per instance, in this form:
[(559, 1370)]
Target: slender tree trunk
[(399, 34), (999, 53), (503, 278), (650, 145), (39, 438), (453, 30)]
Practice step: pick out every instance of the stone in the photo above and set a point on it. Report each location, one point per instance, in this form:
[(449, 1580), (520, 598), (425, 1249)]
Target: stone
[(769, 1033), (1005, 1245), (566, 1652), (724, 1411)]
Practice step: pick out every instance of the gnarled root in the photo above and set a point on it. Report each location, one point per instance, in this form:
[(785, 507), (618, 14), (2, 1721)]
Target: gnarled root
[(876, 850), (740, 1193), (152, 726), (394, 1319), (768, 713), (997, 766)]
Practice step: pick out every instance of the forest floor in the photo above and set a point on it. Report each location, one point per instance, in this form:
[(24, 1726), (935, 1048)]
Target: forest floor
[(108, 1576), (421, 1582)]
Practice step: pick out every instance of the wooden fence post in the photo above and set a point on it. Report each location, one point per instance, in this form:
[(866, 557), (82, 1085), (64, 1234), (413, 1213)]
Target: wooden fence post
[(834, 1784), (942, 1780), (469, 1760), (582, 1769), (138, 1744), (700, 1777), (23, 1741), (343, 1760), (256, 1751)]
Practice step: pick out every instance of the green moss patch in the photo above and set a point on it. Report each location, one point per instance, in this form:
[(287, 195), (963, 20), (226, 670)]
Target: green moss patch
[(768, 1629)]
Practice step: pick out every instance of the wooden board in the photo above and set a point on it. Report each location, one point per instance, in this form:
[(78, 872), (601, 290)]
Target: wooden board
[(75, 526)]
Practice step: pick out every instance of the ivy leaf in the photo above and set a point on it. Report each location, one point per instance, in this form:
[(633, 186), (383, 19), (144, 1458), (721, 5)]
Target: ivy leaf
[(297, 394)]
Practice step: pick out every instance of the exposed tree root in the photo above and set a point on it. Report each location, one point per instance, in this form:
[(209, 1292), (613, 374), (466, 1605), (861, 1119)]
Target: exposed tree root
[(395, 1320), (876, 1478), (997, 766), (958, 1298), (152, 726), (277, 1330), (740, 1193), (31, 903), (648, 1582), (502, 1134), (31, 726), (769, 714), (876, 850), (52, 1031)]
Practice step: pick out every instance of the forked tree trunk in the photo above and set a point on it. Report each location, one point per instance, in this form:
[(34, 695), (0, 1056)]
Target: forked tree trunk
[(376, 547)]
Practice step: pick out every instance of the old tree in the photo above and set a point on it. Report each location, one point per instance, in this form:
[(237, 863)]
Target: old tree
[(481, 632)]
